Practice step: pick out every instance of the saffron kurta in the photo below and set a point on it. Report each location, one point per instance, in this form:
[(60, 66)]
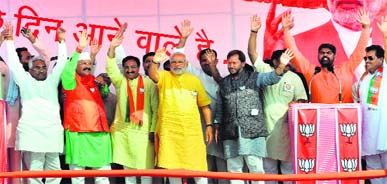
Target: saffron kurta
[(131, 144), (325, 86), (181, 143)]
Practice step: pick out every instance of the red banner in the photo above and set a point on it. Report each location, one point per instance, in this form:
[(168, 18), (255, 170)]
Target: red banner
[(3, 143), (306, 141), (348, 159)]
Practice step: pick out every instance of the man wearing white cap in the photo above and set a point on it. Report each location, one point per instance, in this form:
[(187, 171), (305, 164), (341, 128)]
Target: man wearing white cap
[(87, 134)]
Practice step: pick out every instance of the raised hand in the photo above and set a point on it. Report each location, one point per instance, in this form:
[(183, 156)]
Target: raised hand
[(273, 37), (8, 30), (83, 39), (210, 55), (286, 56), (186, 28), (363, 18), (27, 33), (118, 39), (61, 34), (94, 47), (287, 21), (383, 26), (256, 23), (160, 56)]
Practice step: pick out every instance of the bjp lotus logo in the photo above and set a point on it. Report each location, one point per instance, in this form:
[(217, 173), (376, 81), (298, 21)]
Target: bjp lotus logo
[(349, 165), (306, 165), (348, 130), (307, 130)]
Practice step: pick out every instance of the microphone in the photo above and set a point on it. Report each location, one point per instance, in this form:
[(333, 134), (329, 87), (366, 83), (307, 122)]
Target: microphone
[(330, 68), (317, 70)]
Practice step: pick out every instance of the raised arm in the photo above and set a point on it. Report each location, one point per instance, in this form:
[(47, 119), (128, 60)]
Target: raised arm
[(111, 66), (12, 61), (186, 30), (62, 55), (212, 61), (160, 57), (37, 45), (357, 55), (255, 25), (383, 28), (299, 59), (68, 74), (270, 78)]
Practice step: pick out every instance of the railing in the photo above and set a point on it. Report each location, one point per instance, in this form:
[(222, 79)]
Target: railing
[(358, 175)]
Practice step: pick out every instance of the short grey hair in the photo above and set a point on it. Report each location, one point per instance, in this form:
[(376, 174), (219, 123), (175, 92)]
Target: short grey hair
[(178, 53), (35, 58)]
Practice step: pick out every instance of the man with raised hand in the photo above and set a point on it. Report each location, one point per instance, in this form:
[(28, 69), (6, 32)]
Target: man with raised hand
[(134, 124), (276, 100), (239, 118), (179, 138), (87, 134), (39, 134)]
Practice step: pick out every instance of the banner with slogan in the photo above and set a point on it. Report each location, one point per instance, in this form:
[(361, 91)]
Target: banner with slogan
[(306, 141), (348, 140)]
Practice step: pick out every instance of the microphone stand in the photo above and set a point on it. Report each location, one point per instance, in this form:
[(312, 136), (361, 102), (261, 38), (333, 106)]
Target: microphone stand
[(317, 70)]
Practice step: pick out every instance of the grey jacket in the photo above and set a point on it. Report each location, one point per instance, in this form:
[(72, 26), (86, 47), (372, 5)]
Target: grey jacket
[(239, 104)]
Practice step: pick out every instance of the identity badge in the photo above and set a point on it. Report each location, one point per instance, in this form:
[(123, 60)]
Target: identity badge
[(194, 93), (254, 112)]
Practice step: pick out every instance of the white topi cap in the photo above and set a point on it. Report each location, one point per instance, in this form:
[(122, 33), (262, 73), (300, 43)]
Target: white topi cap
[(84, 56)]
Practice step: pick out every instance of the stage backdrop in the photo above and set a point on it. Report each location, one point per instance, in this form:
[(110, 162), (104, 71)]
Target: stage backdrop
[(220, 24)]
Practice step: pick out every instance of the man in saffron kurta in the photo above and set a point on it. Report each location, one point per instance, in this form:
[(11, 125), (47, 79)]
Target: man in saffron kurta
[(179, 135), (135, 119), (86, 129), (325, 86)]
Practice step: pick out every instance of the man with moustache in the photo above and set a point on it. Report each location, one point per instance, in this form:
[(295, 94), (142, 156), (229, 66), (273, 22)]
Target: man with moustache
[(39, 134), (239, 117), (134, 124), (327, 85), (342, 30), (87, 134), (179, 138), (215, 156), (372, 88)]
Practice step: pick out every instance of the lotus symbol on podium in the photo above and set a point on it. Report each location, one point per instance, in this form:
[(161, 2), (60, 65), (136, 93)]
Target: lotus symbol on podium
[(348, 130), (307, 130), (306, 165), (349, 165)]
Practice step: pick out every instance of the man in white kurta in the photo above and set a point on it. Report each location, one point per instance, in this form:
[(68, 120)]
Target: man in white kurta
[(39, 133), (374, 105), (276, 100)]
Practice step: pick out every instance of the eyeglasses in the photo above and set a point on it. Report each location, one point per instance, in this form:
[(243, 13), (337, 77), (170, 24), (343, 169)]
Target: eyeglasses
[(370, 58)]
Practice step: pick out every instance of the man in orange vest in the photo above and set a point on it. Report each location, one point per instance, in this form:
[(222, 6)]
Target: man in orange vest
[(87, 134)]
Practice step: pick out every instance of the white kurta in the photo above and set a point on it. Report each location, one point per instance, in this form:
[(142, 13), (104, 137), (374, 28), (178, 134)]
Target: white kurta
[(374, 137), (39, 128)]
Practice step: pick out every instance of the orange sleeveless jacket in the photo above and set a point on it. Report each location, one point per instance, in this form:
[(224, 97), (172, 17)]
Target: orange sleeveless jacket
[(83, 107)]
